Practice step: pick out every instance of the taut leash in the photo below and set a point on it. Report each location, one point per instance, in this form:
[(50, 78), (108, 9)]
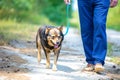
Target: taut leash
[(67, 16)]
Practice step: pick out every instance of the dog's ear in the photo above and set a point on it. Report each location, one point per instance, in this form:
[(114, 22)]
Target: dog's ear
[(61, 28), (47, 30)]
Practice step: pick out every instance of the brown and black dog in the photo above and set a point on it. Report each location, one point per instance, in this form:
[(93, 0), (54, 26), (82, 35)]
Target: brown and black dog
[(49, 38)]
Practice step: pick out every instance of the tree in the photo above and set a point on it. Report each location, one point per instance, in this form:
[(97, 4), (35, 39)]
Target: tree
[(23, 10)]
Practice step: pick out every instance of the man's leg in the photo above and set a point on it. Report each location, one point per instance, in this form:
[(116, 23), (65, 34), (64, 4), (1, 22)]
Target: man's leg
[(100, 42), (86, 22)]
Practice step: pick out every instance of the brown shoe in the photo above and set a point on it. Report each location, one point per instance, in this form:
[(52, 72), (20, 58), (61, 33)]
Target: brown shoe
[(98, 68), (89, 67)]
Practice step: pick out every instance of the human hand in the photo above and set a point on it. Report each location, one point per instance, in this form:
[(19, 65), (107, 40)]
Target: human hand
[(113, 3), (67, 1)]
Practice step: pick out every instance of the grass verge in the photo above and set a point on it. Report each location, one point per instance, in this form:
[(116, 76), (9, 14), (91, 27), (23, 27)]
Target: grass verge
[(10, 30), (114, 59)]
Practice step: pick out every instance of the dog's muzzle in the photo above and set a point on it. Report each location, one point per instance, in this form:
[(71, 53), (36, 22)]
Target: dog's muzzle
[(55, 45)]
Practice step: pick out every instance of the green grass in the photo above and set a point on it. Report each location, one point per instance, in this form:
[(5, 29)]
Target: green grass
[(10, 30), (114, 59), (113, 19), (74, 21), (109, 52)]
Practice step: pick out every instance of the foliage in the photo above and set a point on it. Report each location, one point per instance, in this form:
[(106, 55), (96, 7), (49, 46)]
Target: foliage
[(33, 11)]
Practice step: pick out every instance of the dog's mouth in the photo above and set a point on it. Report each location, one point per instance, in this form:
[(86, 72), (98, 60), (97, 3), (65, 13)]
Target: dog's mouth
[(56, 46)]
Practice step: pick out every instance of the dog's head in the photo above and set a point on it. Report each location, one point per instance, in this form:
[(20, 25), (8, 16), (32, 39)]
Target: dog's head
[(54, 36)]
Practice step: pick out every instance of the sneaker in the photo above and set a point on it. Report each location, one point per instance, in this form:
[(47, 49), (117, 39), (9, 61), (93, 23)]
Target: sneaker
[(98, 67), (89, 67)]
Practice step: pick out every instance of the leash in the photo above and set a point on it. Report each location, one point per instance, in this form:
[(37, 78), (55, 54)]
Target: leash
[(68, 24)]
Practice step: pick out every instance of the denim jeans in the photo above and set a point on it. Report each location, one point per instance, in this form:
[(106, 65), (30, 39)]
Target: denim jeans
[(93, 15)]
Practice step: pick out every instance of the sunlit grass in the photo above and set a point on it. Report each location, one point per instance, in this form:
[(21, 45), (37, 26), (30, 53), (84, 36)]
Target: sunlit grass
[(113, 18), (116, 60), (113, 21), (74, 21), (10, 30), (109, 51)]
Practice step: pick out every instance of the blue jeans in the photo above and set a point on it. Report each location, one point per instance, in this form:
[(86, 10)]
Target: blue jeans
[(93, 14)]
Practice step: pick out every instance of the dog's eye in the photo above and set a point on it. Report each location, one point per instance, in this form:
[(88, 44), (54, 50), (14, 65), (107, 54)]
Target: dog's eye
[(59, 36), (52, 37)]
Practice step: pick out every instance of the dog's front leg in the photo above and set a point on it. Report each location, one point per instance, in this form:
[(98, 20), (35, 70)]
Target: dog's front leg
[(39, 54), (38, 45), (47, 54), (56, 55)]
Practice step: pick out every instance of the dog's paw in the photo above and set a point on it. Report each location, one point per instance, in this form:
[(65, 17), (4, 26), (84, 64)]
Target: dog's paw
[(54, 68), (47, 67)]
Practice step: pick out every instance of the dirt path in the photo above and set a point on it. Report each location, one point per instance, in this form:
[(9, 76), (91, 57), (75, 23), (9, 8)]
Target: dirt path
[(18, 62)]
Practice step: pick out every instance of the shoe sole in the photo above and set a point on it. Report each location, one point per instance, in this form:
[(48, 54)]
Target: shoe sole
[(99, 69), (89, 69)]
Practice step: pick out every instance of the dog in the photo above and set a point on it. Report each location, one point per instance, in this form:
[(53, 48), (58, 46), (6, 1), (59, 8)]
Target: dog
[(49, 38)]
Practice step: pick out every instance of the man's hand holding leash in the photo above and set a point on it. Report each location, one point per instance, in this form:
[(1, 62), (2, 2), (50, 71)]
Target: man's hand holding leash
[(113, 3), (67, 1)]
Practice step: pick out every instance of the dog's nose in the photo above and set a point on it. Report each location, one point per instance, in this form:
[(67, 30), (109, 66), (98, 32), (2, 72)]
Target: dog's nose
[(57, 42)]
